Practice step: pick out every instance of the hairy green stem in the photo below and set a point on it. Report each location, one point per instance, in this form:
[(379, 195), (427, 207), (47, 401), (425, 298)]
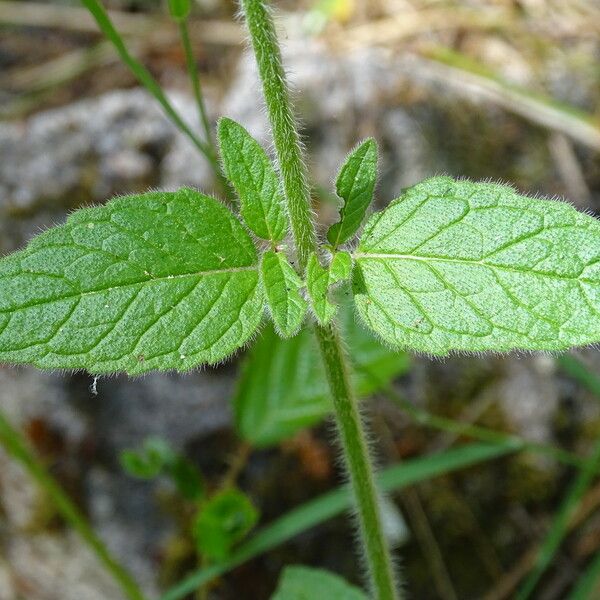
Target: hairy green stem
[(285, 133), (297, 195), (356, 455), (14, 444)]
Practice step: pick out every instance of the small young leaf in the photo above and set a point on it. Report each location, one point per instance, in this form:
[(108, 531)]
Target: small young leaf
[(282, 289), (156, 457), (186, 477), (179, 9), (457, 265), (282, 387), (320, 279), (301, 583), (157, 281), (355, 185), (138, 465), (222, 522), (149, 461), (249, 169)]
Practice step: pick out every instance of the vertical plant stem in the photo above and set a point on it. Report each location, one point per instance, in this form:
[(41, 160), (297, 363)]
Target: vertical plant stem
[(285, 133), (356, 455), (14, 444), (197, 88), (202, 114), (297, 195), (147, 80)]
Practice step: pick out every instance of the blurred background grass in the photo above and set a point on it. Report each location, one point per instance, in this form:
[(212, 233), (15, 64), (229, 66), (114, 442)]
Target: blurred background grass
[(505, 90)]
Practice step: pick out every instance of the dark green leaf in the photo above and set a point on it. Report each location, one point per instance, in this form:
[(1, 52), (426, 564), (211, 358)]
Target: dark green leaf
[(187, 478)]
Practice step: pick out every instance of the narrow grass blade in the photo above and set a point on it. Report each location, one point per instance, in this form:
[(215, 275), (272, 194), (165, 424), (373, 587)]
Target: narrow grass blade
[(192, 70), (474, 80), (333, 503), (16, 446), (577, 370), (560, 523), (146, 79), (477, 432), (588, 585)]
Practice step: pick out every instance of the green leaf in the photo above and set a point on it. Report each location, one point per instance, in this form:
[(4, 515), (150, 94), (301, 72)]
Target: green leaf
[(282, 387), (249, 169), (355, 185), (282, 289), (319, 280), (222, 522), (301, 583), (157, 281), (457, 265)]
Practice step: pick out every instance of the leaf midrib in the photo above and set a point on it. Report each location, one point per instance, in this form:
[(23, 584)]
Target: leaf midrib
[(248, 268), (465, 261)]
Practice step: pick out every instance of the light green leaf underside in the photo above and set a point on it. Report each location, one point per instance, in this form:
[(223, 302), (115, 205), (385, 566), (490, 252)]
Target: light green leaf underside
[(320, 279), (156, 281), (303, 583), (282, 387), (248, 167), (282, 289), (457, 265), (355, 185)]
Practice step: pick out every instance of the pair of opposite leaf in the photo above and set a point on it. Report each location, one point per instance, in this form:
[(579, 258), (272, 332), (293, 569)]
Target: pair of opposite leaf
[(253, 176), (172, 280)]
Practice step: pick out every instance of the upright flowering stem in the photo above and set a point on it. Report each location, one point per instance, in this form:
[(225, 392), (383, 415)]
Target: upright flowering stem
[(297, 195), (285, 133)]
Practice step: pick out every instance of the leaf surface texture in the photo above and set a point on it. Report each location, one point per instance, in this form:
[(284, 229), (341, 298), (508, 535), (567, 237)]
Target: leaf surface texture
[(157, 281), (457, 265)]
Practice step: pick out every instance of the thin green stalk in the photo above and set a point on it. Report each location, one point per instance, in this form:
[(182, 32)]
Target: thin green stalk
[(285, 133), (14, 444), (197, 88), (297, 195), (480, 433), (356, 454), (587, 587), (202, 114), (560, 525), (573, 367), (145, 78)]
